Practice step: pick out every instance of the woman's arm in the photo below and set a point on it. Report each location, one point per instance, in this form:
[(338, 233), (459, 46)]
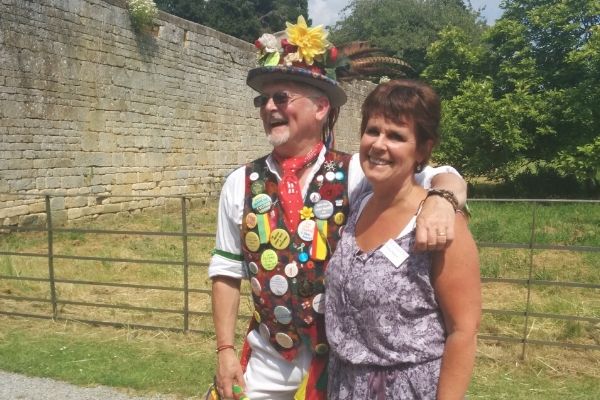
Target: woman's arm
[(435, 224), (457, 284)]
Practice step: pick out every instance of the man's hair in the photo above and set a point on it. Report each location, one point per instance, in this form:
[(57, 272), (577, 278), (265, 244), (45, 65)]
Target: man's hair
[(401, 99)]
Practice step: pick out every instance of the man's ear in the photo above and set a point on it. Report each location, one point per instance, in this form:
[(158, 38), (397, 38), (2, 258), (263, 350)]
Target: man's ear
[(323, 107)]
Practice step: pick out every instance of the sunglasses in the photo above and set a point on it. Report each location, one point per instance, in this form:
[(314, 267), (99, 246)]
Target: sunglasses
[(279, 98)]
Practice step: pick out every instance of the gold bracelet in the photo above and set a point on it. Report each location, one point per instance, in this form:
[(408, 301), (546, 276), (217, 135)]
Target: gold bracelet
[(445, 194)]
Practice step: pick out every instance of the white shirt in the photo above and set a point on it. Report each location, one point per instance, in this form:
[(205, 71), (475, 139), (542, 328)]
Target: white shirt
[(231, 208)]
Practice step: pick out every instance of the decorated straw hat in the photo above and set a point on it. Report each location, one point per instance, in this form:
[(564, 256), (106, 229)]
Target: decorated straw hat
[(298, 54)]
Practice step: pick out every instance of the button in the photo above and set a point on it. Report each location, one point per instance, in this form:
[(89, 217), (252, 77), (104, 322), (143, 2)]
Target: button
[(321, 348), (264, 332), (330, 176), (323, 209), (318, 303), (254, 176), (253, 267), (257, 316), (310, 265), (268, 259), (291, 270), (339, 202), (256, 288), (303, 257), (252, 241), (261, 203), (339, 218), (280, 239), (319, 178), (284, 340), (314, 197), (278, 285), (306, 230), (257, 187), (250, 220), (283, 315), (339, 176)]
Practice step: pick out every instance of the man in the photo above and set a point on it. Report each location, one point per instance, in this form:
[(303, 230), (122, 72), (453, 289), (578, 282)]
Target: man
[(280, 217)]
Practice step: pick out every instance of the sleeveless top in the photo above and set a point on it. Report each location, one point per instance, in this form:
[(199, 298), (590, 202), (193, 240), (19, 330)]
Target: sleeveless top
[(286, 270), (382, 312)]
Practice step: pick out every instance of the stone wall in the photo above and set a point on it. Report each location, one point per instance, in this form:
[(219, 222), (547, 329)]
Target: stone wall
[(90, 109)]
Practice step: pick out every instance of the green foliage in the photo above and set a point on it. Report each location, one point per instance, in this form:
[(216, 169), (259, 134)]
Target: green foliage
[(244, 19), (522, 100), (405, 28), (141, 12)]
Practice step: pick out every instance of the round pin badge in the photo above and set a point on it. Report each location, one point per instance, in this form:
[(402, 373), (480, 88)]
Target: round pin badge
[(254, 176), (314, 197), (256, 288), (283, 315), (253, 267), (291, 270), (278, 285), (320, 178), (280, 239), (284, 340), (261, 203), (323, 209), (252, 241), (268, 259), (339, 218), (339, 176), (318, 303), (339, 202), (257, 187), (306, 230), (264, 331), (321, 348), (303, 257), (251, 220), (330, 176)]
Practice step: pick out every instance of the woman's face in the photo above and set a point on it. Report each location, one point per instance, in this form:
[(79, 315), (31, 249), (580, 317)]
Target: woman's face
[(389, 151)]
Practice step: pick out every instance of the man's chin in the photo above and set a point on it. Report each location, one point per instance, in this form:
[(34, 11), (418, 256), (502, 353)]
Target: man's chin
[(278, 139)]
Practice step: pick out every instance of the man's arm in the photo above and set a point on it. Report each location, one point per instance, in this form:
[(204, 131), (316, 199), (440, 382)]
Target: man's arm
[(225, 305), (435, 223)]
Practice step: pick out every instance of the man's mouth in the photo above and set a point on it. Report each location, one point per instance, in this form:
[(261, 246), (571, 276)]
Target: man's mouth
[(275, 122)]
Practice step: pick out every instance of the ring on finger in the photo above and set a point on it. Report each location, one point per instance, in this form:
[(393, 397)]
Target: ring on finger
[(441, 233)]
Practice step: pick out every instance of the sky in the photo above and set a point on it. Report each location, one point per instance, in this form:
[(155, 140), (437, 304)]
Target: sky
[(327, 12)]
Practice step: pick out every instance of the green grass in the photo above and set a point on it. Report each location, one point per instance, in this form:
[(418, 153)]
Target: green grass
[(176, 363)]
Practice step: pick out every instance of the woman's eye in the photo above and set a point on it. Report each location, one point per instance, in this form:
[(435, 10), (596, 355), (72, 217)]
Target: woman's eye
[(371, 132)]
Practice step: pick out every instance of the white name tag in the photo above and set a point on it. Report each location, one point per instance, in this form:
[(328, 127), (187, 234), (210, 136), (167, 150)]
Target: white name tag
[(394, 252)]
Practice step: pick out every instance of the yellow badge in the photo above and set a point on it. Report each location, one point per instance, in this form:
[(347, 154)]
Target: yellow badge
[(268, 259), (280, 239), (252, 241), (339, 218), (251, 220)]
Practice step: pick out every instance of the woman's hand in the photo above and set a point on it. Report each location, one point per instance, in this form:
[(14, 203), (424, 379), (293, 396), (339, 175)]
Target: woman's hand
[(435, 224)]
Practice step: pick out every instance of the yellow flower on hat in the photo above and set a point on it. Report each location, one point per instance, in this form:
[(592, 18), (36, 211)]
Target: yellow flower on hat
[(306, 213), (311, 42)]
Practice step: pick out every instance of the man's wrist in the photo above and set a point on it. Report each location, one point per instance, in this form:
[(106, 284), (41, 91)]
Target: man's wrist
[(446, 195), (224, 347)]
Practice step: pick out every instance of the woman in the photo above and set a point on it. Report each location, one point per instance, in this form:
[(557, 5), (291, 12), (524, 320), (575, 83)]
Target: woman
[(401, 324)]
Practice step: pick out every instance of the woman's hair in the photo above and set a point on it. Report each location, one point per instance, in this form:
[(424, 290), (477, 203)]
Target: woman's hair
[(401, 99)]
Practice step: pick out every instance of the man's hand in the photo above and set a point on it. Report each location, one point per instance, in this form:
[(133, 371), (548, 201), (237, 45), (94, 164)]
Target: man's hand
[(229, 372), (435, 224)]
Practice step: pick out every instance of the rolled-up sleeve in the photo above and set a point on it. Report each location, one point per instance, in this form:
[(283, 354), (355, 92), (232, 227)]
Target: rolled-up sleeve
[(424, 177), (227, 256)]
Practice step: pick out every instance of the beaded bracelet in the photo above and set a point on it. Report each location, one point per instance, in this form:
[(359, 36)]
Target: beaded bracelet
[(446, 194), (224, 347)]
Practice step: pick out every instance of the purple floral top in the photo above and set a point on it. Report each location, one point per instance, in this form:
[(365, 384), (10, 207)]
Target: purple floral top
[(378, 313)]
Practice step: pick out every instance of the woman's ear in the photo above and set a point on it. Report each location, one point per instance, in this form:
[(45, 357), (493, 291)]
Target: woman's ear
[(425, 151)]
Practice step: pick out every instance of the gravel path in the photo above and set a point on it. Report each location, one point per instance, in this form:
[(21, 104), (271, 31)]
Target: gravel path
[(20, 387)]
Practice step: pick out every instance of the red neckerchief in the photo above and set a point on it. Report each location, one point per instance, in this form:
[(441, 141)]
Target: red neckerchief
[(290, 195)]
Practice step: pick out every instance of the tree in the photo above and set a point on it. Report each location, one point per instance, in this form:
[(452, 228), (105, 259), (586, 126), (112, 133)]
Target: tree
[(244, 19), (404, 28), (523, 101)]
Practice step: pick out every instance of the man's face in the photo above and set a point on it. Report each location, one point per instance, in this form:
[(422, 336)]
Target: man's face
[(292, 114)]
